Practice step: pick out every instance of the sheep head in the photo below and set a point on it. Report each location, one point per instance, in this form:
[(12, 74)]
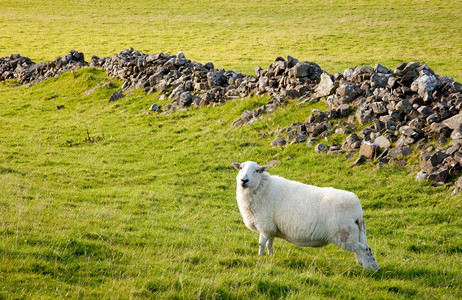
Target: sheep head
[(249, 175)]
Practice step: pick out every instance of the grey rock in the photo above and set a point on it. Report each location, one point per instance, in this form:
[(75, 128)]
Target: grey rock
[(273, 163), (383, 142), (426, 111), (185, 99), (379, 108), (381, 69), (421, 176), (154, 107), (368, 149), (436, 158), (459, 182), (454, 121), (440, 129), (351, 142), (278, 142), (321, 148), (347, 92), (457, 132), (399, 152), (439, 175), (117, 95), (424, 84), (343, 110), (379, 80), (325, 86), (364, 114)]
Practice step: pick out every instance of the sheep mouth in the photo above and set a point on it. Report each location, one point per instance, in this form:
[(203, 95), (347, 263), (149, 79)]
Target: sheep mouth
[(245, 184)]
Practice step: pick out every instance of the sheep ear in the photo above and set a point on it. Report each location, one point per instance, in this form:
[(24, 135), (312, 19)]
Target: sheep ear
[(262, 169), (237, 165)]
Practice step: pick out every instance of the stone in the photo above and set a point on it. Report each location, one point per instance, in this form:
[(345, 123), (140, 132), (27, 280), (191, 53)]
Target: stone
[(408, 131), (301, 69), (458, 157), (433, 118), (437, 158), (381, 69), (117, 95), (421, 176), (453, 149), (454, 121), (383, 142), (347, 92), (378, 125), (359, 160), (321, 148), (399, 152), (364, 114), (343, 110), (350, 154), (300, 138), (457, 133), (404, 105), (379, 108), (379, 80), (424, 84), (154, 107), (439, 175), (404, 141), (351, 142), (273, 163), (216, 78), (185, 99), (426, 112), (438, 129), (459, 182), (311, 141), (368, 149), (278, 142), (325, 86)]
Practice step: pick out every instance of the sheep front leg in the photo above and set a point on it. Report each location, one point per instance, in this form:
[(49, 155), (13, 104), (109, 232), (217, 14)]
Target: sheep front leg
[(262, 244)]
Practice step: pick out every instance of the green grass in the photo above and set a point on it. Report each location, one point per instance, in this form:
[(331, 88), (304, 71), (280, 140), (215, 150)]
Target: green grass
[(103, 200), (240, 35), (145, 207)]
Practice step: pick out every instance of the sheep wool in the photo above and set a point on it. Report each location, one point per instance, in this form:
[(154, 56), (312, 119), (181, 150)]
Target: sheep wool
[(302, 214)]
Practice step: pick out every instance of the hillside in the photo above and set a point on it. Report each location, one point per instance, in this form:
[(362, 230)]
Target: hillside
[(109, 199)]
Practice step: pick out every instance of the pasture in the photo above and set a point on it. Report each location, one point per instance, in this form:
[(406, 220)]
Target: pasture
[(105, 200)]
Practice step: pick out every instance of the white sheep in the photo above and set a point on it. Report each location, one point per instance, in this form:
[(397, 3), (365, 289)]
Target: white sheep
[(304, 215)]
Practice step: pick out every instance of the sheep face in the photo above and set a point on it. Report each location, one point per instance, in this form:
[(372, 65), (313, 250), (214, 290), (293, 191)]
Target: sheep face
[(249, 176)]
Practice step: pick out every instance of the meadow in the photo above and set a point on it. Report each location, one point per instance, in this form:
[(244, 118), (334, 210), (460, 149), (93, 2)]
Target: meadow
[(106, 200)]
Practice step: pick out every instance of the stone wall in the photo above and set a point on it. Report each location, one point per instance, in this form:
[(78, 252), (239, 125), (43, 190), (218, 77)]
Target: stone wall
[(400, 111)]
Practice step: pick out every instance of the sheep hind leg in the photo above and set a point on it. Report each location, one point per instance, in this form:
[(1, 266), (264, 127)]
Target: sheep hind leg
[(261, 244), (269, 245), (265, 242)]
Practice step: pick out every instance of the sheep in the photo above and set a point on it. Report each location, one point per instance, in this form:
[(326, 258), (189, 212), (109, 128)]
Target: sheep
[(305, 215)]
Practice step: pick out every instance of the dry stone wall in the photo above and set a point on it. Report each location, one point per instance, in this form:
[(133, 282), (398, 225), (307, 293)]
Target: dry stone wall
[(399, 111)]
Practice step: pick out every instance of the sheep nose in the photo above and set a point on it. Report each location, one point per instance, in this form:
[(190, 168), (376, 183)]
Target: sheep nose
[(244, 180)]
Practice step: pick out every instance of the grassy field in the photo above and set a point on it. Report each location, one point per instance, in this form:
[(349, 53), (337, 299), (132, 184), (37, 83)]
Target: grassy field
[(102, 200), (240, 35)]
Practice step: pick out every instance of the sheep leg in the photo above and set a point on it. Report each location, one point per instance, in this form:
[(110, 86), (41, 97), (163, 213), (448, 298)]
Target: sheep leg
[(262, 244), (269, 245)]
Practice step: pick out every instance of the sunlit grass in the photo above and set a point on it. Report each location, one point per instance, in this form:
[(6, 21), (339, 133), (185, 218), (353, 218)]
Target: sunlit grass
[(146, 208), (240, 35)]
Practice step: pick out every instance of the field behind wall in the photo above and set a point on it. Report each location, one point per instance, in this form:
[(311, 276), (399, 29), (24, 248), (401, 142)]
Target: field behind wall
[(105, 200)]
